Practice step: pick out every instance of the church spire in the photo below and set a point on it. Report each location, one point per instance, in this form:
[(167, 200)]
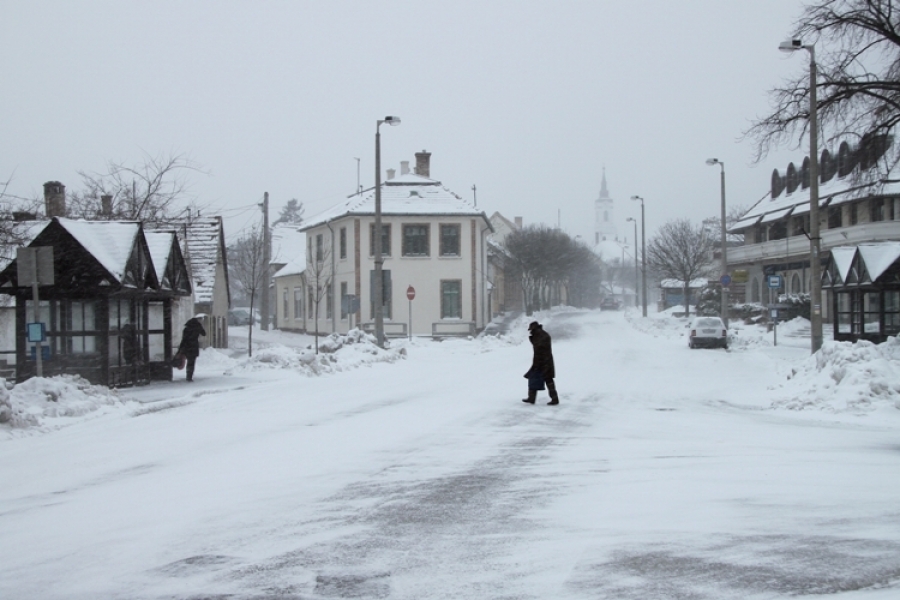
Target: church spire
[(604, 193)]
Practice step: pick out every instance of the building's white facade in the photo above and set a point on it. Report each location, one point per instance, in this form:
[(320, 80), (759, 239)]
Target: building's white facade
[(436, 243)]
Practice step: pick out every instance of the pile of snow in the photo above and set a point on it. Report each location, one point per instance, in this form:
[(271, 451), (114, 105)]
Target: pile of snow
[(50, 402), (337, 352), (845, 377)]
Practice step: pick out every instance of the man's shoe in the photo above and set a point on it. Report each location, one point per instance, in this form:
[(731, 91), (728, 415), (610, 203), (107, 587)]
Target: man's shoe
[(528, 400), (553, 403)]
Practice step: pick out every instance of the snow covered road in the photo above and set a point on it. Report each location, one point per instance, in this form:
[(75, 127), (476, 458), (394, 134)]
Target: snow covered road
[(664, 473)]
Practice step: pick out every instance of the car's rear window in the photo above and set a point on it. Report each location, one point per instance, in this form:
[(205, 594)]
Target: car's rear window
[(709, 323)]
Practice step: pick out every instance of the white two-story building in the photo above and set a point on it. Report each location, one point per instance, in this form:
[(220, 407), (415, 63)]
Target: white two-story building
[(434, 245)]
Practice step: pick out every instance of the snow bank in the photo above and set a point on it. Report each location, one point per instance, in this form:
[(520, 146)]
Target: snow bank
[(51, 402), (845, 377), (337, 352)]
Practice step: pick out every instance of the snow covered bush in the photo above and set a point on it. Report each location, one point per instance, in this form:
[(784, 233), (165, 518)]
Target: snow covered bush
[(846, 376), (40, 401), (337, 352)]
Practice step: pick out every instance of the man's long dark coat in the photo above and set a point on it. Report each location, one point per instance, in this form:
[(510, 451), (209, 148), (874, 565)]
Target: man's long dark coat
[(543, 353)]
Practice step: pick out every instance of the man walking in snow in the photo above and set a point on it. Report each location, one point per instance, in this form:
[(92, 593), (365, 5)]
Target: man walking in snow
[(190, 343), (542, 370)]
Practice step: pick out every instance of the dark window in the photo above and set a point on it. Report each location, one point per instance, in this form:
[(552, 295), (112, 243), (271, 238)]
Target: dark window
[(451, 299), (800, 225), (343, 242), (876, 210), (778, 230), (343, 300), (450, 240), (835, 217), (298, 303), (385, 239), (329, 301), (320, 247), (415, 240)]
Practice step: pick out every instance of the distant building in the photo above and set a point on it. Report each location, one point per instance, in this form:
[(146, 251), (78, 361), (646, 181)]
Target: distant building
[(434, 242)]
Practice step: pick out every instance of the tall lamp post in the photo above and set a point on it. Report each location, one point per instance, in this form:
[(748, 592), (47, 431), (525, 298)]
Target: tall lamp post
[(724, 279), (815, 292), (643, 258), (379, 259), (633, 220)]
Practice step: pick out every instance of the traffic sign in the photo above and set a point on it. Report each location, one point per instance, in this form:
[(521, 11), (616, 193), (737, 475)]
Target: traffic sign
[(411, 293), (725, 280), (775, 282)]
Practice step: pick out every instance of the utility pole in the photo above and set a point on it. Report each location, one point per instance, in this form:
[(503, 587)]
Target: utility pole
[(475, 195), (267, 256)]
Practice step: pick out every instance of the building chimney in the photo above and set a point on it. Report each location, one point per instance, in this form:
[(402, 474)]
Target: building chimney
[(423, 164), (391, 173), (518, 222), (404, 167), (106, 205), (54, 199)]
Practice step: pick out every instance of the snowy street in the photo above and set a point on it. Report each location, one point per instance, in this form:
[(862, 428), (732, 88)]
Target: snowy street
[(665, 473)]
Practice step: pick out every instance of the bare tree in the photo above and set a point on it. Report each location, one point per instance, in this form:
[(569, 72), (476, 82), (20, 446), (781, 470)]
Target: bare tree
[(153, 191), (548, 261), (319, 276), (682, 252), (13, 233), (246, 270), (858, 84)]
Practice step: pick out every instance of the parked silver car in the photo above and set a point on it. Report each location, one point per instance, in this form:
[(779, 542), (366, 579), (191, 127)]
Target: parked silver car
[(709, 332)]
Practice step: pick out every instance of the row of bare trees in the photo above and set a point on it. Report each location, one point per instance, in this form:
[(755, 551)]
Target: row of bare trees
[(549, 263)]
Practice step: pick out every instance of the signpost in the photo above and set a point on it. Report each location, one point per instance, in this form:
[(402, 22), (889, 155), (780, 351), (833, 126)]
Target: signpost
[(35, 267), (410, 295)]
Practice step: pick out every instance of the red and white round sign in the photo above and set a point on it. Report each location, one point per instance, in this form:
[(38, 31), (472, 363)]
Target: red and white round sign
[(410, 293)]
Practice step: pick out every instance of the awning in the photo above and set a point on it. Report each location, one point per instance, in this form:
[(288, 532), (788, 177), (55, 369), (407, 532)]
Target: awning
[(778, 214), (745, 223)]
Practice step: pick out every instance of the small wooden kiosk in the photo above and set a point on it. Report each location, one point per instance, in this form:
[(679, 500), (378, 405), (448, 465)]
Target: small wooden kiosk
[(108, 314)]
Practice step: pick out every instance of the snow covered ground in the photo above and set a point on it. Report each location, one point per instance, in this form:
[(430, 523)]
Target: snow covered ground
[(417, 473)]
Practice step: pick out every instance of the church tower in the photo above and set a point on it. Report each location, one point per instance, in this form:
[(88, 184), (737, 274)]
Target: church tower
[(604, 216)]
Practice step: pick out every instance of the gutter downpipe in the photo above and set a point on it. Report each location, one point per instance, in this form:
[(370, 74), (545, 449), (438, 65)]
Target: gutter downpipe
[(333, 312)]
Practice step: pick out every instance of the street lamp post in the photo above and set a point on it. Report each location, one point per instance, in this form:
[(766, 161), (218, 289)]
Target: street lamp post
[(379, 259), (815, 292), (633, 220), (724, 307), (643, 258)]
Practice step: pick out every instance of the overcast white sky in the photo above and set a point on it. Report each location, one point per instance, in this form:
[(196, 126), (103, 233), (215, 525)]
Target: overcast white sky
[(527, 100)]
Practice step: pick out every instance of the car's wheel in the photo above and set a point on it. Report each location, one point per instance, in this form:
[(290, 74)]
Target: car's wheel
[(691, 345)]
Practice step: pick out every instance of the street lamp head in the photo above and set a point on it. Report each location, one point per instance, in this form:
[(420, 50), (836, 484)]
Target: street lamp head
[(713, 161), (790, 45), (630, 219), (392, 120), (637, 198)]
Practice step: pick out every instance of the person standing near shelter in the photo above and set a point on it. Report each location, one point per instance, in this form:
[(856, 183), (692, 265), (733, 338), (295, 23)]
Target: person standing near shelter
[(542, 370), (190, 343)]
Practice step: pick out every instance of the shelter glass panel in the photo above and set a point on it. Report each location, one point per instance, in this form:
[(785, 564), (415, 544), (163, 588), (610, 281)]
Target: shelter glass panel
[(871, 304)]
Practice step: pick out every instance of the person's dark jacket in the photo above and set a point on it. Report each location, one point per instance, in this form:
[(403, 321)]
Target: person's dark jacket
[(543, 353), (190, 338)]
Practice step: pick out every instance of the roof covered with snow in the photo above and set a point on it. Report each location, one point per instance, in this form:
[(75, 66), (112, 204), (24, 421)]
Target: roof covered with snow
[(835, 191), (407, 194), (288, 244), (876, 258), (160, 246), (110, 242), (202, 243)]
